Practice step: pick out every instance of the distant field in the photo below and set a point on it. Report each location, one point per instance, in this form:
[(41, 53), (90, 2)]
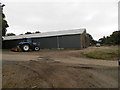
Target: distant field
[(110, 53)]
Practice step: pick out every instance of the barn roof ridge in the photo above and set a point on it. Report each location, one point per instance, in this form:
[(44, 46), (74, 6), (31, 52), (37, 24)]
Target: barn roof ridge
[(47, 34)]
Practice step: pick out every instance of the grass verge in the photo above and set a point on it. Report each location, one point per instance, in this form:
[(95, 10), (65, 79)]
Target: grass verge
[(105, 54)]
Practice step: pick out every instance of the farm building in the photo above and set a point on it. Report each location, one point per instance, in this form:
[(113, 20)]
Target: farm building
[(66, 39)]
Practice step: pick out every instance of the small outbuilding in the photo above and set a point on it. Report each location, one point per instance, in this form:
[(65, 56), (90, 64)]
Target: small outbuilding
[(67, 39)]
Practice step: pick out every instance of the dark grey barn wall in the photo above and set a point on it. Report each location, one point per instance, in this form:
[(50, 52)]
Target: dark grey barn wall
[(69, 41), (65, 41), (46, 42), (7, 44)]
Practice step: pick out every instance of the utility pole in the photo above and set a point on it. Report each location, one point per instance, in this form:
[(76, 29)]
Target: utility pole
[(119, 15), (0, 46), (119, 45), (1, 19), (1, 10)]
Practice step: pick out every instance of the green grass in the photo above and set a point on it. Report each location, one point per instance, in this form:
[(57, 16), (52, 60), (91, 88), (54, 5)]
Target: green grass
[(105, 54)]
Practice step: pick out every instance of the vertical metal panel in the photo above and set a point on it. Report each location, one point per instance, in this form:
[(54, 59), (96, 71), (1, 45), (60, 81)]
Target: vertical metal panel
[(10, 43), (69, 41), (47, 42), (58, 44)]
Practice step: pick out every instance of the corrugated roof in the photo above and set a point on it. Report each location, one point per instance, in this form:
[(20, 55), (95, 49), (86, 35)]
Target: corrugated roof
[(46, 34)]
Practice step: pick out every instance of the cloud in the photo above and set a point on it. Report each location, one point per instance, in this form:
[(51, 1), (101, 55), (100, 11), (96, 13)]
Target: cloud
[(34, 20), (91, 16), (15, 28), (60, 0), (104, 31), (99, 18)]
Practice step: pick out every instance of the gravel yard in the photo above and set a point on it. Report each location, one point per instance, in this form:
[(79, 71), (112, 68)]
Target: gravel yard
[(58, 69)]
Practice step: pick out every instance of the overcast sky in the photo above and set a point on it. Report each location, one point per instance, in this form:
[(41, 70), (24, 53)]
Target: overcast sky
[(99, 17)]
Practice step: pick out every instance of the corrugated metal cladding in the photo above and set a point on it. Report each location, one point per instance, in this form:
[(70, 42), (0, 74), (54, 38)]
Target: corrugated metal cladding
[(46, 42), (69, 41), (10, 43), (65, 41)]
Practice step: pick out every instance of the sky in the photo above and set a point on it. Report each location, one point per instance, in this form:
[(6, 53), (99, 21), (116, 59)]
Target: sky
[(99, 17)]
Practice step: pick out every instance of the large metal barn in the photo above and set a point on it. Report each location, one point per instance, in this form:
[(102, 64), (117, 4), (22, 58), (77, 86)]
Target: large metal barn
[(67, 39)]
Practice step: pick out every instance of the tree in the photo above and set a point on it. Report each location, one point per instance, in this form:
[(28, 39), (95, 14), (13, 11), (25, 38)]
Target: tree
[(28, 33), (4, 26), (113, 39), (92, 41), (4, 22), (10, 34), (20, 34), (37, 32), (103, 40)]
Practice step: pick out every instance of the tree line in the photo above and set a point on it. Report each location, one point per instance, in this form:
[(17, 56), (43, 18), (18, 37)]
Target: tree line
[(113, 39), (12, 34), (4, 22)]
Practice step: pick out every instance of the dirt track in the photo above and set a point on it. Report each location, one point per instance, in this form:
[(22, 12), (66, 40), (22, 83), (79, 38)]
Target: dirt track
[(57, 68)]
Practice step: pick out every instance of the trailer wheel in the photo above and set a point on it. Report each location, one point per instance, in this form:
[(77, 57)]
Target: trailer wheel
[(25, 47), (36, 48)]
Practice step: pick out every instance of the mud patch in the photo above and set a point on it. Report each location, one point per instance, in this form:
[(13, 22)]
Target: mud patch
[(39, 74), (83, 67)]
